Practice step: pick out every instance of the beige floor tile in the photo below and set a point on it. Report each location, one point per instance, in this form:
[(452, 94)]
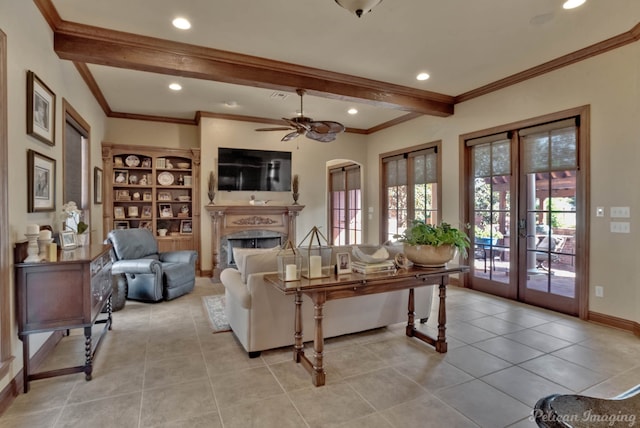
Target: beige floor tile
[(330, 405), (272, 412), (351, 361), (509, 350), (174, 370), (223, 361), (467, 333), (523, 385), (180, 402), (615, 385), (399, 349), (427, 412), (603, 362), (562, 372), (245, 387), (207, 420), (495, 325), (372, 420), (43, 419), (484, 404), (521, 317), (538, 340), (122, 411), (117, 381), (45, 394), (562, 331), (433, 373), (475, 361)]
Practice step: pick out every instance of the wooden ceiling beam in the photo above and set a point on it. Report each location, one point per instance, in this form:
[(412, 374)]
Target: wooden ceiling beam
[(94, 45)]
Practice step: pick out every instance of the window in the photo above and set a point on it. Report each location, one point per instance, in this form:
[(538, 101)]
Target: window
[(76, 163), (345, 205), (410, 186)]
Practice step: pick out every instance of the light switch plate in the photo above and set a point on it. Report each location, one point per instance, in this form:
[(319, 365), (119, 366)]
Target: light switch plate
[(599, 211), (620, 212)]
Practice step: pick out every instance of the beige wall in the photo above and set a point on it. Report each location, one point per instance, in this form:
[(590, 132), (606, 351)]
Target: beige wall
[(29, 48), (609, 83), (146, 133)]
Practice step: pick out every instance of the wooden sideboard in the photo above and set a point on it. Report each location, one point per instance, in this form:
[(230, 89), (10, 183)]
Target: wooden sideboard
[(67, 294)]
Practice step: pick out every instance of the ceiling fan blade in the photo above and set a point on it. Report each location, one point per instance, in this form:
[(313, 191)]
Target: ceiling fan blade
[(322, 137), (290, 136), (299, 123), (326, 127), (280, 128)]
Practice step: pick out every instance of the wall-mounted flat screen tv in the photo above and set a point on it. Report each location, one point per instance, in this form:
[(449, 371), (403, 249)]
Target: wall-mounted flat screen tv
[(254, 170)]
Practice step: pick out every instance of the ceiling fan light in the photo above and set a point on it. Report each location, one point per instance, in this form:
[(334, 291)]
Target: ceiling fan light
[(358, 7)]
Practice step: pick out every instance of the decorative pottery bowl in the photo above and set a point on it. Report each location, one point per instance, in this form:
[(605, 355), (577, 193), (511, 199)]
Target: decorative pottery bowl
[(430, 256), (183, 165), (370, 254)]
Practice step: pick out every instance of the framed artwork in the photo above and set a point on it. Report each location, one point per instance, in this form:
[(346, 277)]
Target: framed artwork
[(132, 211), (146, 211), (68, 240), (120, 176), (118, 212), (186, 227), (41, 110), (165, 210), (344, 263), (121, 225), (97, 185), (145, 225), (123, 195), (41, 182), (146, 163), (146, 196), (164, 196)]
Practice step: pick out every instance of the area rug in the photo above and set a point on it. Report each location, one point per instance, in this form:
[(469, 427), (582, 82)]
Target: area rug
[(214, 306)]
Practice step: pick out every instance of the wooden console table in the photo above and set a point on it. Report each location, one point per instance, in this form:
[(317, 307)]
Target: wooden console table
[(322, 290), (64, 295)]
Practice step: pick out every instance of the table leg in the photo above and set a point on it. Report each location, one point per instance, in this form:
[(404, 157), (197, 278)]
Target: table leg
[(25, 362), (298, 347), (88, 363), (441, 343), (318, 375), (411, 314)]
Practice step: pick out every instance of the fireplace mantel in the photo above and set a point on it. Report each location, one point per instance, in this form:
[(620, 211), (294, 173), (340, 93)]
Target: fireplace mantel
[(230, 219)]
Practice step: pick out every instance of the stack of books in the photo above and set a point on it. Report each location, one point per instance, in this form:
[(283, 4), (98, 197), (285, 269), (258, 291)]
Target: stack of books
[(361, 267)]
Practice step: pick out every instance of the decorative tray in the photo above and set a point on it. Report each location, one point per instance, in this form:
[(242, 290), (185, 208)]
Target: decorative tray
[(132, 160), (165, 178)]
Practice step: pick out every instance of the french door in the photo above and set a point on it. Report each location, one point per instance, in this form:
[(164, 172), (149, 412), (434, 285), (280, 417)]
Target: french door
[(527, 203)]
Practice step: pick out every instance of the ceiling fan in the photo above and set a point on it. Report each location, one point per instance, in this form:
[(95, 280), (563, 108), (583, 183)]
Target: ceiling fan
[(318, 130)]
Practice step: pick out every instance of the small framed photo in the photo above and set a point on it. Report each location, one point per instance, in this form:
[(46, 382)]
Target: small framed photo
[(186, 227), (146, 163), (121, 225), (41, 182), (146, 212), (164, 210), (133, 211), (118, 212), (117, 161), (145, 225), (343, 261), (164, 196), (120, 176), (41, 110), (146, 196), (68, 240), (123, 195), (97, 185)]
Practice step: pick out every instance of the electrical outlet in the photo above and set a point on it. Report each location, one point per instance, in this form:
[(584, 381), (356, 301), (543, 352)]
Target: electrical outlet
[(599, 291)]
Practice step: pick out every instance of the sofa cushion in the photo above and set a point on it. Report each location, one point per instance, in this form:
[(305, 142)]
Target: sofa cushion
[(256, 262), (133, 244), (177, 274), (240, 253)]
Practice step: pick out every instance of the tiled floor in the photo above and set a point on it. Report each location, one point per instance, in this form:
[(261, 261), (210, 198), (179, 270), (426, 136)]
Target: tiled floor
[(161, 366)]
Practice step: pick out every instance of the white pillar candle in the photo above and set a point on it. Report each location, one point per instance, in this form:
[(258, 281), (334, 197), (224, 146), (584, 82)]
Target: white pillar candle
[(33, 229), (315, 266), (45, 234), (290, 273)]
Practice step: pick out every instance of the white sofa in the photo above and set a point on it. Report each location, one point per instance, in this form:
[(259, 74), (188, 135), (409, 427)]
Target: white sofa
[(262, 317)]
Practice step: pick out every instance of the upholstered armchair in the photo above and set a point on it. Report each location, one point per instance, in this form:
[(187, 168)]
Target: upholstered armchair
[(150, 275)]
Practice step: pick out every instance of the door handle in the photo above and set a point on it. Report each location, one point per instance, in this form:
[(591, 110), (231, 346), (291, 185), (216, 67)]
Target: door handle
[(522, 228)]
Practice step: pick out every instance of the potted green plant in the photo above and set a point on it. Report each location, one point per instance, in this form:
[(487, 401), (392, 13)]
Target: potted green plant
[(432, 245)]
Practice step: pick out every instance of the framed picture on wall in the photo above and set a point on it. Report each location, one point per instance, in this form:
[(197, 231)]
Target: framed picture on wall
[(41, 110), (186, 227), (41, 182), (118, 212), (121, 225)]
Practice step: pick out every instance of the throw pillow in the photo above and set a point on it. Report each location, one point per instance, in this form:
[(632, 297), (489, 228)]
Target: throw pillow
[(264, 261), (240, 254)]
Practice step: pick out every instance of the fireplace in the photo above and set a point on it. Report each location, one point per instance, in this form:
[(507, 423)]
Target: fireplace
[(252, 226)]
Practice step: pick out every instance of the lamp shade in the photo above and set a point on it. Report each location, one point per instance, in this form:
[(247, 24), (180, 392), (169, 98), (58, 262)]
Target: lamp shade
[(359, 7)]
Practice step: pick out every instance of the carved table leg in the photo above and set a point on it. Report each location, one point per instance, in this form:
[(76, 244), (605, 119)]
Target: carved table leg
[(88, 363), (318, 375), (411, 313), (25, 361), (441, 343), (298, 347)]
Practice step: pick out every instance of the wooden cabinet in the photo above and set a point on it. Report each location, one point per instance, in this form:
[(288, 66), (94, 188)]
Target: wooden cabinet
[(63, 295), (154, 187)]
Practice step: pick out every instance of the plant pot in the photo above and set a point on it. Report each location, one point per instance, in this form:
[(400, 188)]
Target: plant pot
[(430, 256), (162, 232)]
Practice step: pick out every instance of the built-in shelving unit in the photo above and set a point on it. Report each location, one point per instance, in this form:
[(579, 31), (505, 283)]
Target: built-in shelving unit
[(155, 188)]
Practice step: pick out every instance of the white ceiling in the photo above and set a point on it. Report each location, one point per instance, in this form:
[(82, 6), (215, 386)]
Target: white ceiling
[(462, 44)]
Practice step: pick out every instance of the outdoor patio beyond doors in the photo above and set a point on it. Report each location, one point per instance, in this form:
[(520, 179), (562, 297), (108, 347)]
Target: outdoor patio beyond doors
[(525, 208)]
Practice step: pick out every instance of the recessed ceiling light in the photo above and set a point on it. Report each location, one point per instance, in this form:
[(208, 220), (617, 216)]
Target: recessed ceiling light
[(352, 111), (571, 4), (181, 23), (231, 104), (175, 86), (422, 76)]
